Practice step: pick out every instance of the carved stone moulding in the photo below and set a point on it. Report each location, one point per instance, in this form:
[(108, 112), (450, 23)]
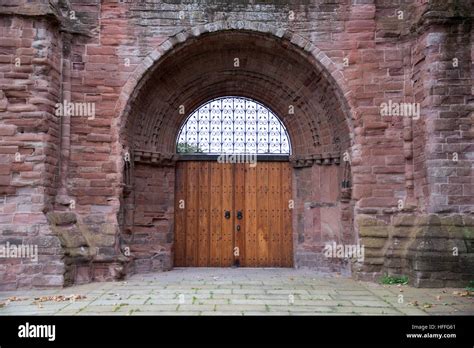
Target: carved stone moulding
[(328, 158), (155, 158)]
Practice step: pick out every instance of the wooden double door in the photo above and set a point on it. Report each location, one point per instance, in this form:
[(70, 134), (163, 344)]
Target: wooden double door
[(233, 214)]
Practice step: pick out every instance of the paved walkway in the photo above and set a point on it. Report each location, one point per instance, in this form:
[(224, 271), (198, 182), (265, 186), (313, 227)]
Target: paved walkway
[(212, 291)]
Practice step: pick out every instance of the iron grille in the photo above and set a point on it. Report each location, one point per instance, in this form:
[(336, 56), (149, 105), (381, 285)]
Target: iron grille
[(233, 125)]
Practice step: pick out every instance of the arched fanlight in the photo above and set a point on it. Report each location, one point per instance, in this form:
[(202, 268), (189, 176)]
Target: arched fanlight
[(233, 125)]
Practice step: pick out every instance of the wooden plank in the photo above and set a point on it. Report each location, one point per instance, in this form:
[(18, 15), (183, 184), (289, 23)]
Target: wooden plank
[(239, 205), (250, 236), (204, 214), (180, 215), (192, 187), (262, 214), (216, 214), (274, 214), (227, 231)]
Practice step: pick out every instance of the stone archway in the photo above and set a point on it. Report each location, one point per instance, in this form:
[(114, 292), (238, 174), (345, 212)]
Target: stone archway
[(267, 67), (339, 65)]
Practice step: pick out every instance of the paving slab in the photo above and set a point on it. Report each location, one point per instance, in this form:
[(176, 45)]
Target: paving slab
[(240, 291)]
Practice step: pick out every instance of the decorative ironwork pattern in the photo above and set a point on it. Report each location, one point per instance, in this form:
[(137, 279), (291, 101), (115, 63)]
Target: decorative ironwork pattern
[(233, 125)]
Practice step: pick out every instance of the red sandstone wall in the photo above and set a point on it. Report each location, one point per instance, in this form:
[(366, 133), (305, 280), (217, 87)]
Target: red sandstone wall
[(30, 78), (107, 43), (149, 232)]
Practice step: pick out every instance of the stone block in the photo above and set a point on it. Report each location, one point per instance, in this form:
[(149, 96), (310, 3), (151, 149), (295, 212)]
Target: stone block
[(373, 242)]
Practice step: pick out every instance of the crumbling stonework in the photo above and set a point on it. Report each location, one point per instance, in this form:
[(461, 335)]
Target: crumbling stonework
[(89, 253), (433, 250), (96, 192)]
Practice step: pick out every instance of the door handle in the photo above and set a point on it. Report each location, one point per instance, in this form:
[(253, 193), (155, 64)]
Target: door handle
[(227, 214), (238, 228), (239, 215)]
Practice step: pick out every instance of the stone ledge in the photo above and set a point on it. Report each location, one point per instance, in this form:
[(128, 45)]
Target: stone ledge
[(154, 158), (53, 13), (318, 159)]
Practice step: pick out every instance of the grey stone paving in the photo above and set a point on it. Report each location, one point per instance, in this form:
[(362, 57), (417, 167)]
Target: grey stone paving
[(241, 291)]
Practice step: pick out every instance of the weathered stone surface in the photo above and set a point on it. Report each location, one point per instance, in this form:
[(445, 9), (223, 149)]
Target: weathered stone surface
[(62, 218), (431, 250)]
